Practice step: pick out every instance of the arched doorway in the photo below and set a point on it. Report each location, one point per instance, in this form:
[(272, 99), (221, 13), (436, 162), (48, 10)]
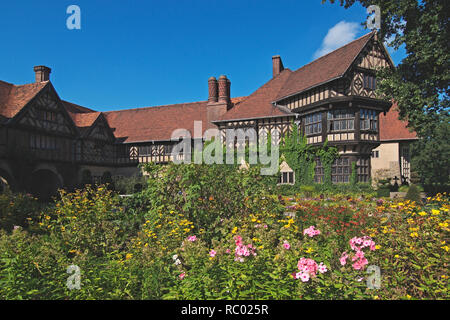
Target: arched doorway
[(44, 184)]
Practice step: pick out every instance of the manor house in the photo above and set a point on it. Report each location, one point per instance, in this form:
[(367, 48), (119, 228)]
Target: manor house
[(47, 142)]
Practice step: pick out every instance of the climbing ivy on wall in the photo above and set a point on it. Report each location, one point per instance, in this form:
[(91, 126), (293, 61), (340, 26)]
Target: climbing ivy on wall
[(301, 157)]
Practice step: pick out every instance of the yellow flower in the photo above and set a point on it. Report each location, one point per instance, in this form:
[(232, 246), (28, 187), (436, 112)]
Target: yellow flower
[(443, 224), (414, 234), (62, 228), (408, 296), (445, 248), (435, 212), (128, 256), (397, 256), (309, 250), (234, 230), (422, 213), (377, 247)]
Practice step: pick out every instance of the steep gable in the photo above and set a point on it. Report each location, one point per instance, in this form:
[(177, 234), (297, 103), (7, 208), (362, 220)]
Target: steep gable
[(324, 69), (14, 98)]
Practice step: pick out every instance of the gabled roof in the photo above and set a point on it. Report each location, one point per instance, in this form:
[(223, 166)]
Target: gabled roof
[(13, 98), (391, 128), (324, 69), (259, 103), (84, 119), (75, 108), (157, 123)]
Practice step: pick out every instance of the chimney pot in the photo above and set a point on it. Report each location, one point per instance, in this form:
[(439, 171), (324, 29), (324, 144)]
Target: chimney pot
[(277, 65), (42, 73), (224, 89), (212, 89)]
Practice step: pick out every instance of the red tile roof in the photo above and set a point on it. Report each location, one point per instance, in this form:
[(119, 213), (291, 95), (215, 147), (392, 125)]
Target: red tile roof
[(158, 123), (328, 67), (259, 103), (13, 98), (75, 108), (391, 128)]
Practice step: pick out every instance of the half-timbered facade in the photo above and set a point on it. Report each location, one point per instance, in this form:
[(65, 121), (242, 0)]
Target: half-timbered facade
[(47, 142)]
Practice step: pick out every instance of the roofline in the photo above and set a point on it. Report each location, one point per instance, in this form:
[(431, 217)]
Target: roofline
[(242, 119), (335, 78), (398, 140)]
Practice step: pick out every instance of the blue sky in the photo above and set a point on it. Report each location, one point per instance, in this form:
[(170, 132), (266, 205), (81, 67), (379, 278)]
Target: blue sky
[(145, 53)]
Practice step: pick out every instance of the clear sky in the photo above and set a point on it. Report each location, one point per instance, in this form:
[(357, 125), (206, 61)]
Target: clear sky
[(138, 53)]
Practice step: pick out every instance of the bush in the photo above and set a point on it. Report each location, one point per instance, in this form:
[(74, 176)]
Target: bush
[(17, 210), (413, 194), (207, 194), (307, 191), (129, 185)]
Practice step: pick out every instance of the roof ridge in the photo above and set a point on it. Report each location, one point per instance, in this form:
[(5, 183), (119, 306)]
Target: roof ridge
[(165, 105), (155, 107), (345, 45)]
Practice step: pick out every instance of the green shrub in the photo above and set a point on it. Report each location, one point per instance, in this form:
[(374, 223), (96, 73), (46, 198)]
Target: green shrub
[(307, 190), (207, 194), (129, 185), (17, 210), (383, 192), (413, 194)]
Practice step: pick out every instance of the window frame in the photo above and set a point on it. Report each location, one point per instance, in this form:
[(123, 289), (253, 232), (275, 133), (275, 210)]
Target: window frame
[(340, 116), (313, 124)]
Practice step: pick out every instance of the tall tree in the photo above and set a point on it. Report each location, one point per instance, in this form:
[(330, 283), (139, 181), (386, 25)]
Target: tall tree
[(420, 82)]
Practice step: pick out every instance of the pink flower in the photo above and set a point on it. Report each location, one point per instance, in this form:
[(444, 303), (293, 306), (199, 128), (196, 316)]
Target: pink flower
[(343, 258), (212, 253), (286, 245), (228, 251), (322, 268), (181, 276), (192, 238), (311, 231), (303, 276)]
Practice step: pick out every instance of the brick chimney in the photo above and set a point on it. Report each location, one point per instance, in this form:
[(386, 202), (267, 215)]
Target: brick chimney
[(42, 73), (212, 89), (219, 100), (224, 89), (277, 65)]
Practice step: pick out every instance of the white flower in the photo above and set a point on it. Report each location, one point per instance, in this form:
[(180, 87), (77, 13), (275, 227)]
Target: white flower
[(175, 257), (177, 262)]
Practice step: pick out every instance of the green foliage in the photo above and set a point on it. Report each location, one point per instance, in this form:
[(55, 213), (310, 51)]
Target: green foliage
[(413, 194), (307, 191), (301, 157), (129, 185), (205, 194), (353, 176), (159, 258), (432, 156), (17, 210)]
